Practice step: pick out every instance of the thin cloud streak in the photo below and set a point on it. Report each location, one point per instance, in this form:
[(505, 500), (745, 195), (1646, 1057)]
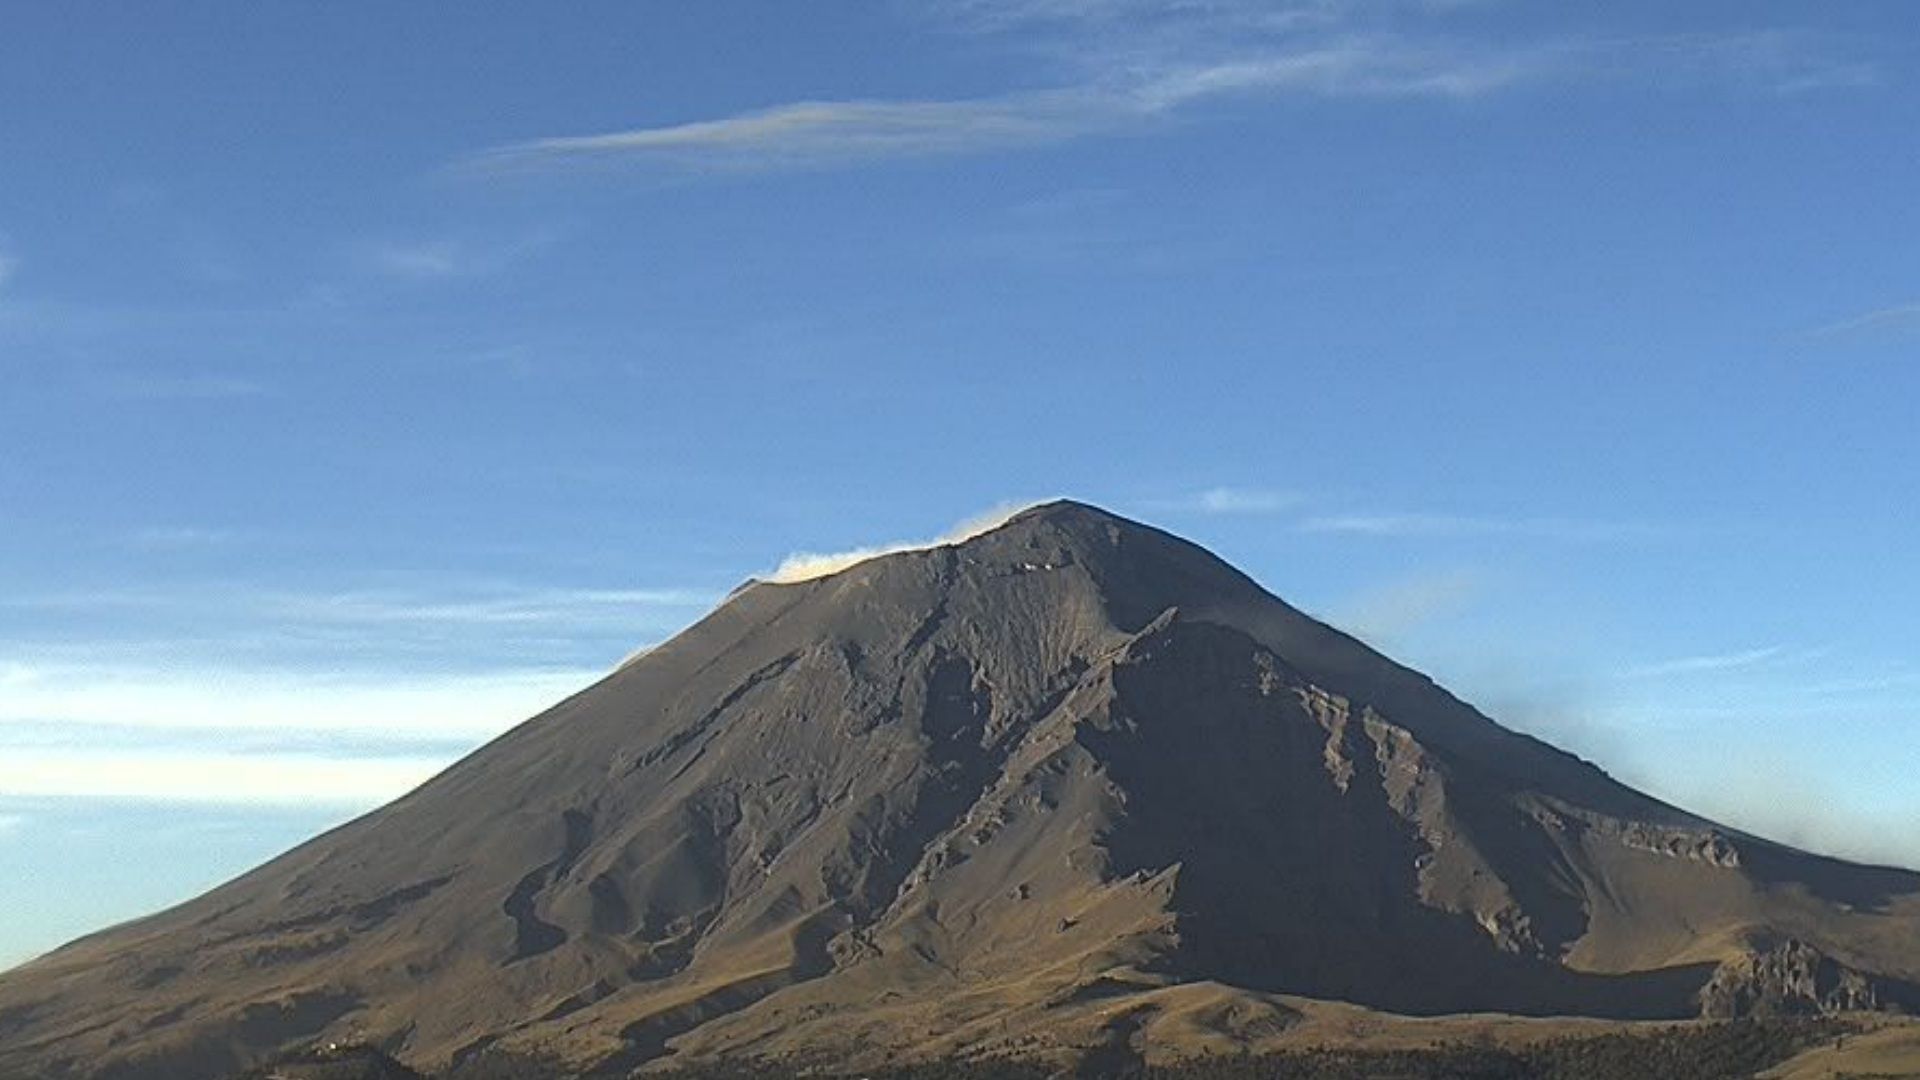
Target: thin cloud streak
[(820, 133), (447, 257), (197, 700), (1690, 665), (423, 260), (546, 606), (219, 778), (1895, 319), (490, 607), (1227, 500), (181, 537), (1126, 66), (1463, 526), (1230, 501)]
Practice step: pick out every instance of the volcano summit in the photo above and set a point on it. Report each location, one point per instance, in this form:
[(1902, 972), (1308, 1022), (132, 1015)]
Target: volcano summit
[(1070, 783)]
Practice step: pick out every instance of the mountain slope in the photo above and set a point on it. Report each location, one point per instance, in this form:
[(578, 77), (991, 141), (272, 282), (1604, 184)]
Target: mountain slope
[(961, 790)]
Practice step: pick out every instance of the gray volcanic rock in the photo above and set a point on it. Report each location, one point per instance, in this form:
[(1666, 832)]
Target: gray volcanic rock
[(930, 801)]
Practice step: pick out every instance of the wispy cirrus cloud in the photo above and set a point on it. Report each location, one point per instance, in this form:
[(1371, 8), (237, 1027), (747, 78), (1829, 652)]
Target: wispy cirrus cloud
[(1780, 61), (451, 605), (426, 259), (825, 132), (1895, 319), (1120, 66), (1231, 500), (445, 257), (1688, 665), (1467, 526), (820, 133), (181, 537), (84, 698), (574, 607)]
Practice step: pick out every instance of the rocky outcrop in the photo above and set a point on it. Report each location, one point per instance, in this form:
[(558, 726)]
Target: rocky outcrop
[(1788, 977)]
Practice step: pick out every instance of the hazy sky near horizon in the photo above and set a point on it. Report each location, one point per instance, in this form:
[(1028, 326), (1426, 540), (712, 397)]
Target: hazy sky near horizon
[(375, 377)]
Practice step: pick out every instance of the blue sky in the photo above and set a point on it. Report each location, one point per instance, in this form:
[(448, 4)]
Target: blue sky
[(374, 377)]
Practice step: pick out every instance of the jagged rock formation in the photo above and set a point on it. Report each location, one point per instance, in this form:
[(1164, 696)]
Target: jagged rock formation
[(1071, 768)]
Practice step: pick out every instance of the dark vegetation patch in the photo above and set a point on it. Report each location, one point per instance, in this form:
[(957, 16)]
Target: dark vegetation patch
[(1732, 1050)]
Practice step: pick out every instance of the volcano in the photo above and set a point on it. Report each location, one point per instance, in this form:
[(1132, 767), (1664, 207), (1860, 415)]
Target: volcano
[(1070, 785)]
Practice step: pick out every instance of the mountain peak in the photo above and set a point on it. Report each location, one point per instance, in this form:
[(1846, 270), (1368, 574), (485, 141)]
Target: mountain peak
[(1062, 512), (1068, 759)]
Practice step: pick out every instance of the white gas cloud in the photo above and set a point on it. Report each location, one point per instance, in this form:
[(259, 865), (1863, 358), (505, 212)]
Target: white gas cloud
[(807, 565), (1384, 614)]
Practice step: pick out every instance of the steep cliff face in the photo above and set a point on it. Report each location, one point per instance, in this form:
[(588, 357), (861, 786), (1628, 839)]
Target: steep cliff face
[(951, 793)]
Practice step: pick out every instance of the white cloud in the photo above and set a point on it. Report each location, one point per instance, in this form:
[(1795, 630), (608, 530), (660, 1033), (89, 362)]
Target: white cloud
[(1463, 526), (283, 779), (1232, 500), (1893, 319), (814, 133), (396, 708), (1126, 65), (818, 133), (513, 606), (822, 132), (1361, 68), (193, 720), (1783, 61), (292, 670), (480, 605), (807, 565), (177, 537), (1685, 665), (427, 259), (447, 257)]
